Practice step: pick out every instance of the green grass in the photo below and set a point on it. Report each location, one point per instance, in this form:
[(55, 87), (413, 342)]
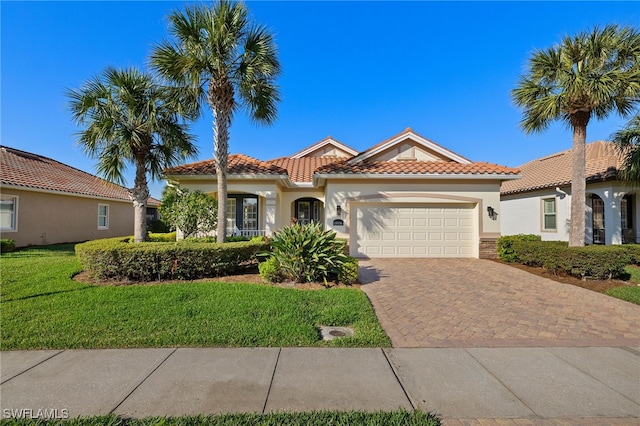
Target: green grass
[(630, 294), (43, 308), (634, 273), (398, 417)]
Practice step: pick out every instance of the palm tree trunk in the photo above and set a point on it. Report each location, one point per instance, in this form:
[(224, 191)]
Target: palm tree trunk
[(140, 195), (221, 147), (578, 180)]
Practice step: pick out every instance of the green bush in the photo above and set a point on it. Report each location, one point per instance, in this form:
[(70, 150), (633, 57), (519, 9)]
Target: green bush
[(504, 245), (307, 253), (119, 259), (633, 251), (270, 270), (598, 262), (7, 245), (166, 237), (349, 272)]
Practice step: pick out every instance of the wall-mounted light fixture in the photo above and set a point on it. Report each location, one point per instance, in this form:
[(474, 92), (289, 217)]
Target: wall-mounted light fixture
[(338, 210), (492, 213)]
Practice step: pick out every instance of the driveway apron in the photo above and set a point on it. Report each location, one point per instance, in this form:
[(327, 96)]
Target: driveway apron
[(447, 303)]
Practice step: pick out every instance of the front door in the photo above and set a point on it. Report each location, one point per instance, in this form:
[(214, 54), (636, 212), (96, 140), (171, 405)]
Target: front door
[(307, 211)]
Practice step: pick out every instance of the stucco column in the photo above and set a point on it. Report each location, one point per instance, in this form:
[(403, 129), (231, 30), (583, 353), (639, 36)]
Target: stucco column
[(270, 213), (612, 221)]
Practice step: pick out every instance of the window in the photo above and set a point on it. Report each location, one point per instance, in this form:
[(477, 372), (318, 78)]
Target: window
[(549, 214), (8, 213), (626, 212), (103, 216), (242, 215), (597, 210)]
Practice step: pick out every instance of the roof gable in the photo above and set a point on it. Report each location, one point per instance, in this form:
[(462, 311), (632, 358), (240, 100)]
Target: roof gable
[(24, 169), (602, 162), (327, 147), (408, 145)]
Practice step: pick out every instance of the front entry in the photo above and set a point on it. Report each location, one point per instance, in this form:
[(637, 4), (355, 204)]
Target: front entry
[(307, 210)]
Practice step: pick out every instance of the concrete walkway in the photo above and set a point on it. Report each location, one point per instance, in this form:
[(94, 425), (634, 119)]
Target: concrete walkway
[(466, 303), (513, 386)]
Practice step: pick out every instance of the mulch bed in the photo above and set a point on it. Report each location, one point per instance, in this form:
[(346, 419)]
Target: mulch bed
[(600, 286)]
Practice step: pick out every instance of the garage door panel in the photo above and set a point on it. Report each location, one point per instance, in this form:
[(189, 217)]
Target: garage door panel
[(414, 231)]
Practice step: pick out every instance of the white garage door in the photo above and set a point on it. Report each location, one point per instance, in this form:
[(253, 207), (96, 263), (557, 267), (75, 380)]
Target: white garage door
[(414, 230)]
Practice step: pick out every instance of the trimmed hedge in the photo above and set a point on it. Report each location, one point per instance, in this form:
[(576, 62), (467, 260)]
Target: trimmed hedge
[(7, 245), (150, 261), (504, 245), (598, 262)]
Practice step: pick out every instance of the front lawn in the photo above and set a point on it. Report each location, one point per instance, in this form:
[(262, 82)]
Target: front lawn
[(43, 308)]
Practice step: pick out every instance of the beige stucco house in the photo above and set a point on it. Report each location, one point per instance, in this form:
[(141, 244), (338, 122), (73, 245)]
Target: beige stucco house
[(46, 202), (404, 197), (540, 202)]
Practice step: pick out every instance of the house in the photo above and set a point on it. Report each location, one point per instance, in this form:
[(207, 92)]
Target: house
[(404, 197), (46, 202), (540, 202)]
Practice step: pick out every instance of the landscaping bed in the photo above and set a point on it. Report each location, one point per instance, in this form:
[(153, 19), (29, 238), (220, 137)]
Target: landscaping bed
[(44, 308)]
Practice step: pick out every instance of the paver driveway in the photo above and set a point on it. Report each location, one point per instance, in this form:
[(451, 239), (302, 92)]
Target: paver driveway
[(480, 303)]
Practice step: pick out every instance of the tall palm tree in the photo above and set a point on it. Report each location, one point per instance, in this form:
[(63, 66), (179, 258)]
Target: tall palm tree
[(586, 76), (232, 62), (627, 141), (130, 119)]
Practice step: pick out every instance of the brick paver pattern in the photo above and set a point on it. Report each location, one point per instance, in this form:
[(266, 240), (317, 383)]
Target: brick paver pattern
[(482, 303)]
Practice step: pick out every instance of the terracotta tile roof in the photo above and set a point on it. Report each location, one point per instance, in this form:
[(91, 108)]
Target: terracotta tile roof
[(602, 163), (416, 167), (239, 164), (24, 169), (302, 169)]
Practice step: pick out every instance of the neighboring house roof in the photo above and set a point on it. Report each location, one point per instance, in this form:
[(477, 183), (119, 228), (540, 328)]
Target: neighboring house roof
[(152, 202), (602, 163), (26, 170)]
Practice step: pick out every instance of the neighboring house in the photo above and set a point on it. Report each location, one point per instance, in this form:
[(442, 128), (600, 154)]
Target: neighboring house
[(404, 197), (540, 202), (152, 210), (46, 202)]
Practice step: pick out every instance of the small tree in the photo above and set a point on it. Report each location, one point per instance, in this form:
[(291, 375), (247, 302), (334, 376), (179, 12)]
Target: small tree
[(192, 212)]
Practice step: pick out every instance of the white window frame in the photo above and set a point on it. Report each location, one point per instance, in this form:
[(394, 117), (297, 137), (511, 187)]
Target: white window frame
[(106, 216), (545, 214), (14, 217)]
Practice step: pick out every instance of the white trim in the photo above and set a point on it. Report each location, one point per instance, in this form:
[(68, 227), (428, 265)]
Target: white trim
[(106, 226), (14, 228), (327, 141), (416, 138)]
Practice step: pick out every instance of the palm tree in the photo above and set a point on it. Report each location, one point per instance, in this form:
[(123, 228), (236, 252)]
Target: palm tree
[(586, 76), (627, 141), (232, 63), (130, 119)]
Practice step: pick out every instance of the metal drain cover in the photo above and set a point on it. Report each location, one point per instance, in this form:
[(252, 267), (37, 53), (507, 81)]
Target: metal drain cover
[(330, 332)]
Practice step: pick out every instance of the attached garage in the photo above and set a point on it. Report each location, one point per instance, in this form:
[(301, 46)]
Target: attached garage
[(413, 230)]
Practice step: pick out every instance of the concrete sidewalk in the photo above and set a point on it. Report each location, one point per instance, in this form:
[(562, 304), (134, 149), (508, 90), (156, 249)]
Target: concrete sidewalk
[(593, 385)]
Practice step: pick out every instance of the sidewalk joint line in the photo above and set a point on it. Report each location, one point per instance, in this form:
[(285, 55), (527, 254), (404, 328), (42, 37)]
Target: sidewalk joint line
[(589, 375), (631, 350), (397, 376), (273, 375), (511, 391), (33, 366), (142, 381)]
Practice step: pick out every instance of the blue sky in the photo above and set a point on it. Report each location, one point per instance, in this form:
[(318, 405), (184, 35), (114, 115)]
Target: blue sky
[(358, 71)]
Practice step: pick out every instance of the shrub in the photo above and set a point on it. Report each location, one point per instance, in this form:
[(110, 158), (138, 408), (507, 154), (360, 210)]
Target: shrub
[(504, 245), (599, 262), (307, 253), (7, 245), (119, 259), (167, 237), (270, 270), (349, 272)]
